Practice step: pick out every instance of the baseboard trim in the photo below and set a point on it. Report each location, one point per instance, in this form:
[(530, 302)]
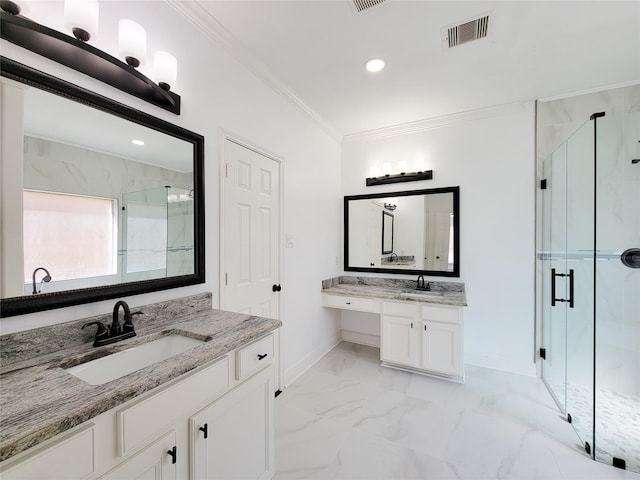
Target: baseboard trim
[(498, 363), (292, 373)]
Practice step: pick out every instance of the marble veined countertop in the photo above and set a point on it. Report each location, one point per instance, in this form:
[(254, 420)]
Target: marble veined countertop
[(440, 293), (39, 399)]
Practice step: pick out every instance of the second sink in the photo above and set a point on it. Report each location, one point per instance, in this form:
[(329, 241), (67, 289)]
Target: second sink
[(419, 295), (111, 367)]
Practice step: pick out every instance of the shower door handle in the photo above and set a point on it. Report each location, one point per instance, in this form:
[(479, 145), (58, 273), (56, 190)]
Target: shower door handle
[(553, 287)]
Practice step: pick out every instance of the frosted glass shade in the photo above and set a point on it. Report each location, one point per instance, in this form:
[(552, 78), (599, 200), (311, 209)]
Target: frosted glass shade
[(165, 68), (81, 17), (132, 40)]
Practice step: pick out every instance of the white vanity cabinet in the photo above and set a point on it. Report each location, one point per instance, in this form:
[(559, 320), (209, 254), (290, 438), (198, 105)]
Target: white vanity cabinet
[(400, 334), (441, 342), (233, 438), (424, 338), (158, 434)]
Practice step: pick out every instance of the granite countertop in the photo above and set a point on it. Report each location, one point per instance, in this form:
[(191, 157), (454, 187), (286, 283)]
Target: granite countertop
[(39, 399), (440, 293)]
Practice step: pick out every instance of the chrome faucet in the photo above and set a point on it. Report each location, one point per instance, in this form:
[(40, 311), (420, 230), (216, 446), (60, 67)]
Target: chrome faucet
[(116, 332), (421, 284)]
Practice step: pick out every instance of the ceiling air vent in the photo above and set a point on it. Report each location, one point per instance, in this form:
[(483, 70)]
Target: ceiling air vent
[(466, 32), (362, 5)]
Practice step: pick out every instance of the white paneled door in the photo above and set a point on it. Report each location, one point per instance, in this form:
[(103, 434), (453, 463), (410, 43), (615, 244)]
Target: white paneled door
[(250, 260)]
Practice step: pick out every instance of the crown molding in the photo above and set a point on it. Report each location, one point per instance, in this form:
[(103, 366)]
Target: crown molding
[(205, 22), (436, 122)]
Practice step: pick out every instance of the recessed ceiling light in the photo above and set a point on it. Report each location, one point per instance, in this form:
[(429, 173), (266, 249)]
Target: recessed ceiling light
[(374, 65), (137, 142)]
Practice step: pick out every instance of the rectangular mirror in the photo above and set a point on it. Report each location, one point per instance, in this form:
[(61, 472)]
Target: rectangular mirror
[(419, 232), (112, 199), (387, 232)]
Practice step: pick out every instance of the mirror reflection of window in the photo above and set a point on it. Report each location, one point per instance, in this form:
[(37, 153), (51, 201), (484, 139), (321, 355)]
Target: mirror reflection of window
[(73, 236)]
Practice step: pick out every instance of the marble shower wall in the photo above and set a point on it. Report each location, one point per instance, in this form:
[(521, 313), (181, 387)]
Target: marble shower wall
[(618, 228)]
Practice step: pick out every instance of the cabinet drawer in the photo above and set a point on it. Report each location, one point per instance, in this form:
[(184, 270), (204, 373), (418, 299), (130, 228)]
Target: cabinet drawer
[(352, 303), (254, 357), (153, 414), (399, 309), (70, 457), (441, 314)]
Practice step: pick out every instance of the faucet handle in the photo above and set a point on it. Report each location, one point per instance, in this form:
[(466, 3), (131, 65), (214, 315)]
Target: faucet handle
[(102, 331), (127, 326)]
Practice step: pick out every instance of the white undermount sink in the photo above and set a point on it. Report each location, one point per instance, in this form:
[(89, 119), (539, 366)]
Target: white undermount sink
[(116, 365), (421, 294)]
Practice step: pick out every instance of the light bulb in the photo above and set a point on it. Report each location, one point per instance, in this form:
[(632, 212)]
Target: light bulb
[(166, 69), (81, 17), (132, 39)]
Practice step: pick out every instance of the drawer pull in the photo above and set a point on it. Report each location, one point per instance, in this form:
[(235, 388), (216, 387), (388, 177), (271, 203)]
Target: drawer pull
[(260, 357), (205, 430), (174, 454), (348, 303)]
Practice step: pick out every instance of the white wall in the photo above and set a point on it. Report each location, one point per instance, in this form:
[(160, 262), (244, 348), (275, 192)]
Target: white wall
[(492, 159), (219, 94)]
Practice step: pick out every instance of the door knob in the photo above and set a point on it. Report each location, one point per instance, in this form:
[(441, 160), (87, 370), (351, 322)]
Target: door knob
[(276, 288)]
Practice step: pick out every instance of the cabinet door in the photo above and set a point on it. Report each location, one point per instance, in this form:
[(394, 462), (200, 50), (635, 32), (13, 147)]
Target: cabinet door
[(399, 343), (233, 438), (441, 344), (152, 463)]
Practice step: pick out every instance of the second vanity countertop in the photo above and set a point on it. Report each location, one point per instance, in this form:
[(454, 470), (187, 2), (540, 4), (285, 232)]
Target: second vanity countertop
[(440, 293), (39, 399)]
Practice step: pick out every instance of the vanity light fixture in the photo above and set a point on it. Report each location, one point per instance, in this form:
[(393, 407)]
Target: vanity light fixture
[(391, 204), (374, 65), (75, 53), (399, 177), (403, 176)]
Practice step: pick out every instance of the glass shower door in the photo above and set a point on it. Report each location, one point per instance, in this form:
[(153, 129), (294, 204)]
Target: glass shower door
[(554, 317), (580, 266), (617, 380), (567, 318)]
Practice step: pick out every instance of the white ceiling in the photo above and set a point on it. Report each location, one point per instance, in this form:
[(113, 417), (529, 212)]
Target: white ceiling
[(314, 52), (53, 117)]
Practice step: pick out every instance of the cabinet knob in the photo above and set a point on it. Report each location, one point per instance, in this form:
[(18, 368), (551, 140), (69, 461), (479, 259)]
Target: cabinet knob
[(174, 454), (276, 288), (205, 430)]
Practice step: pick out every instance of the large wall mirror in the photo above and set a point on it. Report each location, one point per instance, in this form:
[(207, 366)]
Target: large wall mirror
[(111, 201), (410, 232)]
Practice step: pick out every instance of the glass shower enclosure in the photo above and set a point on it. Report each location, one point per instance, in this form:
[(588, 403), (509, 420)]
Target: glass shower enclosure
[(590, 259), (157, 233)]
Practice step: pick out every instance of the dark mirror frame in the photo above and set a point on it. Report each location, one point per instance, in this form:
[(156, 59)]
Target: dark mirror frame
[(48, 301), (383, 232), (456, 233)]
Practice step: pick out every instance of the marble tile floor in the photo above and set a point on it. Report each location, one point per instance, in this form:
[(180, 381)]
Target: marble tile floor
[(349, 418)]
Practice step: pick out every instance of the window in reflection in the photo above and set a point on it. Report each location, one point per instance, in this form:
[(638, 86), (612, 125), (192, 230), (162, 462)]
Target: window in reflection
[(73, 236)]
